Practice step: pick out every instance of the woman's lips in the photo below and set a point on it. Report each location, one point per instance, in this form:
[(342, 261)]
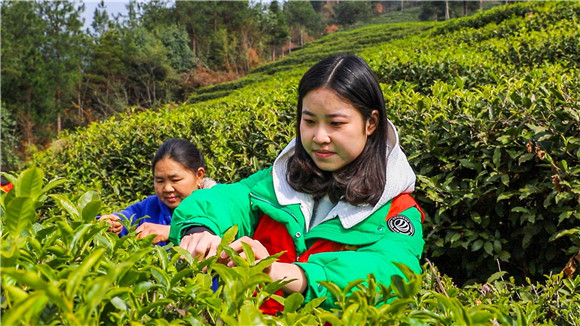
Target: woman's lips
[(323, 154)]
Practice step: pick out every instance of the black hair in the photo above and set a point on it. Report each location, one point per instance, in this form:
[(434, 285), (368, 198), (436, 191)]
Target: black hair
[(181, 151), (363, 180)]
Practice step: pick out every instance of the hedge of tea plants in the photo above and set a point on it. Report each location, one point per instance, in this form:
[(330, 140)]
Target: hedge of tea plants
[(491, 121), (65, 269), (488, 112)]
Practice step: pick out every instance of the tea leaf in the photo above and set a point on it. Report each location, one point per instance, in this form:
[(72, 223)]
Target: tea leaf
[(19, 215), (29, 183), (78, 274)]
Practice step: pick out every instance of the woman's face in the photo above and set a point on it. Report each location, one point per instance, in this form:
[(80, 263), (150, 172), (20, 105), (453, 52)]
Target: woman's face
[(173, 181), (333, 132)]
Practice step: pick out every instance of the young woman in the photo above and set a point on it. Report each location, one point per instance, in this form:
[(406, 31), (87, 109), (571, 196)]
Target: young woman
[(336, 199), (178, 170)]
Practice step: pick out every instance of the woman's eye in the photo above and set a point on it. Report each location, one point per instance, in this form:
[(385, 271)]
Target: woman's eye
[(308, 121), (336, 123)]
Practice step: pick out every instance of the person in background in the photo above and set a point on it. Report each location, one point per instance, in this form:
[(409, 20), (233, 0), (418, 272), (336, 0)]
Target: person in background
[(6, 185), (336, 199), (178, 170)]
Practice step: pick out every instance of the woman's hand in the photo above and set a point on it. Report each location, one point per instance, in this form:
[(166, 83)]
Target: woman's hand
[(113, 220), (161, 231), (277, 271), (201, 245), (260, 252)]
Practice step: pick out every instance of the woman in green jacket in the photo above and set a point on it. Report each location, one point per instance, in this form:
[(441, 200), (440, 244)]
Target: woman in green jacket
[(336, 199)]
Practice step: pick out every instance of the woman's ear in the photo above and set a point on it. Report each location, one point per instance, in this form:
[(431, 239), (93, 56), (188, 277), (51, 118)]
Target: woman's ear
[(372, 122), (200, 173)]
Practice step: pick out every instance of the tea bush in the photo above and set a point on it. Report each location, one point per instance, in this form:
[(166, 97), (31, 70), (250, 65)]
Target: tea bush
[(66, 269), (495, 138), (487, 111)]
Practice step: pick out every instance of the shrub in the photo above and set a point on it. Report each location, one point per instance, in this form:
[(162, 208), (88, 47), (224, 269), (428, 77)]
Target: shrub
[(492, 135), (66, 269)]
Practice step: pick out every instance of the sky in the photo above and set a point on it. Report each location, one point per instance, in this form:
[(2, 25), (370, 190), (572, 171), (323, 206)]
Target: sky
[(113, 7)]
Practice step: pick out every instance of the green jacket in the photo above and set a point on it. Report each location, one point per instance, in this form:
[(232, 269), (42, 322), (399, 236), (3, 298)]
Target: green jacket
[(242, 203)]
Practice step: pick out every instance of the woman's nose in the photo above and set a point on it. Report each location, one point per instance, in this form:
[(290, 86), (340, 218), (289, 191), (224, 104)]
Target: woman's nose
[(321, 135), (168, 187)]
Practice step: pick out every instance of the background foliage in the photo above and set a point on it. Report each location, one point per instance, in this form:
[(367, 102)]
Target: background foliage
[(488, 112), (60, 72)]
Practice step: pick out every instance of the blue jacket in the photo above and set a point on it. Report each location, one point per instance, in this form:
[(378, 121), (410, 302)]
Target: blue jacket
[(154, 210)]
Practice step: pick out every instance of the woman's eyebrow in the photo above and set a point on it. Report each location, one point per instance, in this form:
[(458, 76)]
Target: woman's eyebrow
[(334, 115)]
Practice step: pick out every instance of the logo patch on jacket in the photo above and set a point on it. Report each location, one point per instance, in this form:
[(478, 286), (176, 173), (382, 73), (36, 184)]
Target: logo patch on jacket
[(401, 224)]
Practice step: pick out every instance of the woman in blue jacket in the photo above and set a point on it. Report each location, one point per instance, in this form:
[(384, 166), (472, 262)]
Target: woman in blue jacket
[(178, 170)]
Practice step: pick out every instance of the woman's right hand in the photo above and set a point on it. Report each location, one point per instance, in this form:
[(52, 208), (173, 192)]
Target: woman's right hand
[(201, 245), (113, 220)]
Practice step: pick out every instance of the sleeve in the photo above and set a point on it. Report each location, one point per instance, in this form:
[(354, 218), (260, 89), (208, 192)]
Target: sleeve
[(217, 208), (343, 267)]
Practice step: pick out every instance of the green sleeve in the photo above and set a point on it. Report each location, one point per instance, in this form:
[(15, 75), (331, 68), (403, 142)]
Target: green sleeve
[(343, 267), (217, 208)]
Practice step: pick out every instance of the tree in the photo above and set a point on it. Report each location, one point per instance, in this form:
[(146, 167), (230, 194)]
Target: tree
[(101, 21), (106, 74), (275, 27), (62, 51), (176, 41), (150, 75), (302, 19), (350, 12), (156, 13), (434, 10), (24, 79), (196, 16), (9, 141)]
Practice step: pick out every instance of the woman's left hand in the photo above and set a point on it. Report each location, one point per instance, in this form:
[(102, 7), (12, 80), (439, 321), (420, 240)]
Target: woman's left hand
[(260, 252), (277, 271), (161, 231)]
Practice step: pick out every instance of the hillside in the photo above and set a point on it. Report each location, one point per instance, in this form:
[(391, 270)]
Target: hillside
[(487, 110), (469, 97), (486, 106)]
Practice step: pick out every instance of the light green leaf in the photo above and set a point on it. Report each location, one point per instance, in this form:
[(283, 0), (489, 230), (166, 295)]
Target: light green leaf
[(160, 276), (250, 258), (119, 303), (53, 184), (90, 205), (19, 215), (78, 274), (66, 204), (250, 315), (29, 183), (293, 302), (25, 310), (496, 276)]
